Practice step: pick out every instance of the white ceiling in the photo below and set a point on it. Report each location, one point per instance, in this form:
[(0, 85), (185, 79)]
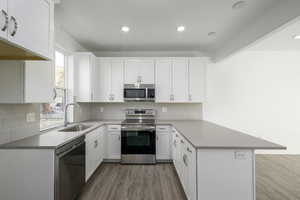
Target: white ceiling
[(96, 23), (281, 39)]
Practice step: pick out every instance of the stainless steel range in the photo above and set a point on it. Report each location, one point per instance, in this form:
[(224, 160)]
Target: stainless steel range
[(138, 141)]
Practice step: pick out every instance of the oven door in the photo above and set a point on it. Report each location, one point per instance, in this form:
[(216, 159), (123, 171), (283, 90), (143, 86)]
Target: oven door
[(134, 94), (138, 142)]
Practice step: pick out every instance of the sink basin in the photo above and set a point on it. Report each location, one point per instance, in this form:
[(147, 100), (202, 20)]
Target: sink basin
[(76, 128)]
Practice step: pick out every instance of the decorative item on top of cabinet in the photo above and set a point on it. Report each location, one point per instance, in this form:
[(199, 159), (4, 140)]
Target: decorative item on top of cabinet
[(26, 82), (84, 77), (110, 80), (139, 71), (20, 38)]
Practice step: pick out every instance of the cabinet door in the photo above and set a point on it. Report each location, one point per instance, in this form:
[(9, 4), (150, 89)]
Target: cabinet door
[(114, 145), (30, 24), (191, 186), (180, 80), (39, 81), (3, 19), (103, 72), (117, 80), (131, 71), (196, 80), (146, 71), (163, 83), (163, 146)]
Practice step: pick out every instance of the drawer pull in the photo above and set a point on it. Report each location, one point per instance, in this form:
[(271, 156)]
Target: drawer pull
[(188, 149), (182, 141)]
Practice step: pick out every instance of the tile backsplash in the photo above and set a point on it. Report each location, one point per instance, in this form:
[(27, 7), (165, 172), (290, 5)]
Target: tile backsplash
[(164, 111), (13, 123)]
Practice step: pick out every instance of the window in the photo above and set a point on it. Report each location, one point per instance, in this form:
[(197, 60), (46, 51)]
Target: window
[(52, 114)]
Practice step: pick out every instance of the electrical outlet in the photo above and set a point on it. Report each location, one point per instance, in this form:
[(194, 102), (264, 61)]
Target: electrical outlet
[(101, 109), (30, 117), (240, 155), (164, 109)]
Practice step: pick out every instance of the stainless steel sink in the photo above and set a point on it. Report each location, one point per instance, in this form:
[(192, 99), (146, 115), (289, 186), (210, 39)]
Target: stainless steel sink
[(76, 128)]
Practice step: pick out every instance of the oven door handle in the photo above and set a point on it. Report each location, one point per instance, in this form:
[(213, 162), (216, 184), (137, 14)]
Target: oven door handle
[(137, 129)]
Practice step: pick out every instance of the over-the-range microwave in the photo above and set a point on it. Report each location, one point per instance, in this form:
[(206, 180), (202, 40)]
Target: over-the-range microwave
[(139, 92)]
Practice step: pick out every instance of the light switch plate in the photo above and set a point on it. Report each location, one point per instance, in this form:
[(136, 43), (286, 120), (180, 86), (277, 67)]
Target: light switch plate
[(30, 117), (101, 109), (164, 109)]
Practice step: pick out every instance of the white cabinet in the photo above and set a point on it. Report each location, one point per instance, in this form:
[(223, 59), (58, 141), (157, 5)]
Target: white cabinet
[(26, 28), (110, 80), (3, 19), (163, 140), (26, 82), (113, 142), (94, 150), (139, 70), (180, 80), (84, 77), (196, 80), (163, 76)]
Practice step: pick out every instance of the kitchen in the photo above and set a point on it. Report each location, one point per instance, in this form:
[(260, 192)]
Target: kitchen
[(191, 111)]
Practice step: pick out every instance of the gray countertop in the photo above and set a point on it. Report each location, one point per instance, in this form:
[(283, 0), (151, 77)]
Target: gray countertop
[(201, 134)]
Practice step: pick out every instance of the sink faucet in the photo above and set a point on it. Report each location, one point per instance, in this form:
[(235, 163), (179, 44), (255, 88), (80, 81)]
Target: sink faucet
[(66, 112)]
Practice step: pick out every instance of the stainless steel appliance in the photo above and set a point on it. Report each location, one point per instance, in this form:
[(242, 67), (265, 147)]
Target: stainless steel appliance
[(139, 92), (138, 141), (70, 169)]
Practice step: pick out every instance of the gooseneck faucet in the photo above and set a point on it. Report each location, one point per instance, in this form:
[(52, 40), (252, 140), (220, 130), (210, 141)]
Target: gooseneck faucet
[(66, 112)]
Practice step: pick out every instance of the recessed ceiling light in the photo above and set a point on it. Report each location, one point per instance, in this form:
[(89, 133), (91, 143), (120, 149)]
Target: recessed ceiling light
[(238, 5), (297, 37), (212, 34), (180, 28), (125, 29)]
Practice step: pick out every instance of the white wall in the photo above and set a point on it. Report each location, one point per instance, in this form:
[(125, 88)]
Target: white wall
[(257, 93)]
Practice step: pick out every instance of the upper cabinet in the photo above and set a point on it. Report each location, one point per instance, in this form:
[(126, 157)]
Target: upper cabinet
[(29, 82), (110, 73), (26, 29), (196, 77), (84, 77), (163, 83), (180, 80), (139, 71)]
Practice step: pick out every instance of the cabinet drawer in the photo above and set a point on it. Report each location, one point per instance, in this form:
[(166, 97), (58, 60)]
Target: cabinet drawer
[(114, 127), (163, 128)]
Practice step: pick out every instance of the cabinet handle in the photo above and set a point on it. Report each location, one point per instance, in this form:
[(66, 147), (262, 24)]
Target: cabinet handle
[(13, 33), (157, 138), (184, 159), (172, 97), (176, 135), (54, 93), (182, 141), (190, 97), (188, 149), (174, 143), (6, 20), (119, 137)]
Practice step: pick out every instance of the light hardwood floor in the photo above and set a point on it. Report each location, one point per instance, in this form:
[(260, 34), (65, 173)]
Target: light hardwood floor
[(277, 178)]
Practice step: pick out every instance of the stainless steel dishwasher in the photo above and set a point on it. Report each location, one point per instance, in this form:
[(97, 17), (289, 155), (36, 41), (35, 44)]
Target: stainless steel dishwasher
[(70, 169)]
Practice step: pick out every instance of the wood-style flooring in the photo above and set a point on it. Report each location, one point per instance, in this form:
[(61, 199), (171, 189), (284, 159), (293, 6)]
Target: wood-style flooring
[(277, 178), (134, 182)]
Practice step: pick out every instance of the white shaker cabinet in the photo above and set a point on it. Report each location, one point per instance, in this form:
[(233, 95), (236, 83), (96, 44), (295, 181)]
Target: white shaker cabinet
[(196, 77), (110, 80), (26, 81), (84, 77), (163, 82), (163, 140), (113, 142), (139, 71), (3, 19), (29, 25), (180, 80)]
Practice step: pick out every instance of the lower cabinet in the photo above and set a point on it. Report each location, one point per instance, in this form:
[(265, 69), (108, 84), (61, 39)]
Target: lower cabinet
[(113, 142), (184, 158), (163, 139), (94, 150)]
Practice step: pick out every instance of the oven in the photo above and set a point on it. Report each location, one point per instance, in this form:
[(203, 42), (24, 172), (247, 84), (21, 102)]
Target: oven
[(138, 144), (139, 92)]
